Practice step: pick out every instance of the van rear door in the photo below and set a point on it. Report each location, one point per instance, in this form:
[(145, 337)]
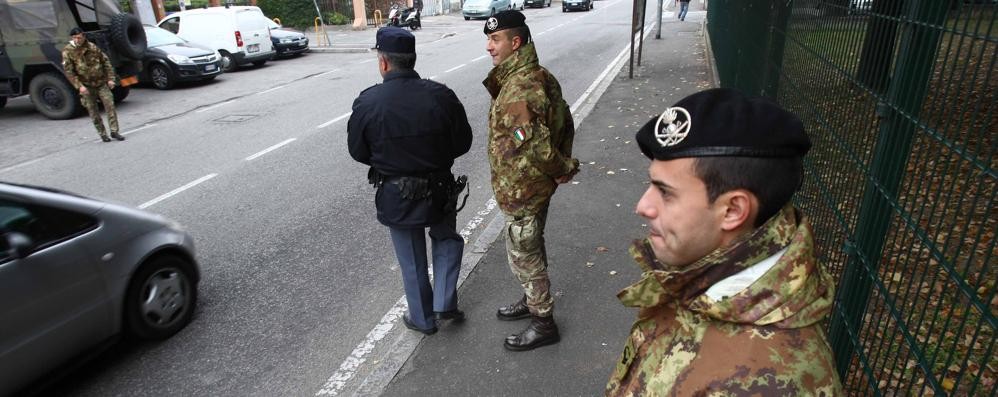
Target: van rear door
[(253, 27)]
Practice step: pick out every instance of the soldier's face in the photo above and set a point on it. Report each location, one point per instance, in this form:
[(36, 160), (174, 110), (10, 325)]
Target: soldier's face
[(500, 46), (79, 38), (683, 225)]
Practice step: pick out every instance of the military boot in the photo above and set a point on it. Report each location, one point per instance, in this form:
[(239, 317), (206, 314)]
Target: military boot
[(105, 138), (541, 331), (117, 136), (515, 311)]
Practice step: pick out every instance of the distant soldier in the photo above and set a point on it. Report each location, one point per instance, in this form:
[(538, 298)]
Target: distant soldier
[(732, 297), (530, 151), (91, 73)]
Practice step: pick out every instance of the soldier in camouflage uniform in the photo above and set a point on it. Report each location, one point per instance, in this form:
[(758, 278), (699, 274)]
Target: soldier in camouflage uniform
[(530, 152), (732, 298), (89, 71)]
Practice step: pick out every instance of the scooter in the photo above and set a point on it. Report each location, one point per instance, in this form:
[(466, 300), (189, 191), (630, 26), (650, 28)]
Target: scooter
[(408, 17)]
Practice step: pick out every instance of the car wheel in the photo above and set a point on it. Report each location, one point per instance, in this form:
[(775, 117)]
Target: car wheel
[(259, 63), (54, 97), (228, 62), (563, 9), (161, 77), (466, 18), (119, 93), (161, 298)]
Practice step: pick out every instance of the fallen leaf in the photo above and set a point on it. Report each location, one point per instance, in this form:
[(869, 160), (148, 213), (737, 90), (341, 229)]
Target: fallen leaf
[(575, 182), (611, 173), (589, 264), (602, 249), (613, 272), (948, 384)]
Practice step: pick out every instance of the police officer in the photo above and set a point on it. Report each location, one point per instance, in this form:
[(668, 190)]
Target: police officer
[(530, 151), (732, 295), (90, 72), (409, 131)]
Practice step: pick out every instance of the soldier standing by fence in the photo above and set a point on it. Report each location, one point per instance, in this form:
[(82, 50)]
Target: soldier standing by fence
[(90, 72)]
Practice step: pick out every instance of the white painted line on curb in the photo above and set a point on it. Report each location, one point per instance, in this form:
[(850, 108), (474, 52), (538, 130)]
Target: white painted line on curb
[(176, 191), (16, 166), (478, 219), (272, 89), (455, 68), (138, 129), (614, 65), (270, 149), (202, 110), (326, 124)]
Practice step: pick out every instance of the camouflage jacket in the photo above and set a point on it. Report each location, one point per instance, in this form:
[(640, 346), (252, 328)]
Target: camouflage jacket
[(86, 65), (763, 340), (530, 133)]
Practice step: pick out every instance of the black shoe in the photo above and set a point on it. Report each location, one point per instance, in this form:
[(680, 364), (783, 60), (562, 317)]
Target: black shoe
[(516, 311), (541, 331), (105, 139), (117, 136), (455, 315), (410, 325)]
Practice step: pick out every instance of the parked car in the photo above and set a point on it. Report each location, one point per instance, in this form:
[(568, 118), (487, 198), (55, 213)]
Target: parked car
[(584, 5), (483, 8), (286, 41), (537, 3), (75, 272), (516, 4), (238, 33), (170, 59)]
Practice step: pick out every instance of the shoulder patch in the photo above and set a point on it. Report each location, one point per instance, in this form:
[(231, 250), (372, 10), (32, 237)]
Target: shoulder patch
[(519, 134)]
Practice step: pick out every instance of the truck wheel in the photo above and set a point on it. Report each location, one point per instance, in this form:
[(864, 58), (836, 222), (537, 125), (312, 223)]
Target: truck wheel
[(119, 93), (128, 36), (54, 97)]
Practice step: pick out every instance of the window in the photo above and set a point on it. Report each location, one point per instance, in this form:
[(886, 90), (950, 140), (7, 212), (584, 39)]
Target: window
[(86, 10), (33, 14), (45, 226), (172, 24)]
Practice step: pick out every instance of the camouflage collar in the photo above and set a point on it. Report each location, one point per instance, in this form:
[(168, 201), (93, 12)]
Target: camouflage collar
[(525, 57), (801, 283)]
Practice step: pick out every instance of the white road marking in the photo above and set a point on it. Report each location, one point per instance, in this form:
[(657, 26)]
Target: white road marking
[(455, 68), (369, 60), (480, 58), (599, 79), (433, 78), (176, 191), (478, 219), (16, 166), (202, 110), (326, 124), (325, 73), (270, 149), (272, 89), (138, 129)]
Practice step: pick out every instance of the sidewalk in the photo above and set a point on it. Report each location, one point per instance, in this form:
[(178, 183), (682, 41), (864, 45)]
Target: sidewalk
[(590, 227)]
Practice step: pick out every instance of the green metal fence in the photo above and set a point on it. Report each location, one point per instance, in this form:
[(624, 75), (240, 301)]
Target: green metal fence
[(899, 98)]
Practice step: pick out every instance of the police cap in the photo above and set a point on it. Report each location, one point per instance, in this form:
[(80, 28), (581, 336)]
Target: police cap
[(397, 40), (504, 20), (723, 122)]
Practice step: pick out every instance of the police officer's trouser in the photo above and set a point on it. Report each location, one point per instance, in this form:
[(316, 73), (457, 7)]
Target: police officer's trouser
[(89, 101), (528, 260)]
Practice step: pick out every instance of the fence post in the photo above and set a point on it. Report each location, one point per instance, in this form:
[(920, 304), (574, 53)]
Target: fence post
[(779, 18), (905, 99)]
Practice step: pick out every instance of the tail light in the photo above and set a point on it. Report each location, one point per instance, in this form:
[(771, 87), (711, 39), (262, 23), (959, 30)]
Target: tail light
[(239, 39)]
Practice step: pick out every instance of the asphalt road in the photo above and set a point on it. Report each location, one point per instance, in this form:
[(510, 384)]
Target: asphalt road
[(296, 270)]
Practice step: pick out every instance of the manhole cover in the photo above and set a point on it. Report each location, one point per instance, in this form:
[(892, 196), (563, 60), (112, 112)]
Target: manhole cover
[(235, 118)]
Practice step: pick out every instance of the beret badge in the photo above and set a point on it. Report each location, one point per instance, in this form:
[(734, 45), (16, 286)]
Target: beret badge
[(672, 126), (492, 23)]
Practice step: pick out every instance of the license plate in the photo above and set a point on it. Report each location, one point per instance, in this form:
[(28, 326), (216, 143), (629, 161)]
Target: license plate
[(209, 68), (253, 48)]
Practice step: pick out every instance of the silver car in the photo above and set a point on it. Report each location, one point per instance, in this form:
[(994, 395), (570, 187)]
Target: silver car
[(483, 8), (75, 272)]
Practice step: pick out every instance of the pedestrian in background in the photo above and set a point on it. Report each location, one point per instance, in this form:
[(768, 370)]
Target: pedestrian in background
[(90, 72), (732, 297), (684, 6), (409, 131), (530, 153)]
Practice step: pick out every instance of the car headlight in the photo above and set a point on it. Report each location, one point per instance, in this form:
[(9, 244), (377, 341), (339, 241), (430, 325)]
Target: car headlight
[(286, 40), (180, 59)]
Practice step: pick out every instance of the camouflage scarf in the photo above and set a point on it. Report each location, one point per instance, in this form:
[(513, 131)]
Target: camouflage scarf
[(794, 293)]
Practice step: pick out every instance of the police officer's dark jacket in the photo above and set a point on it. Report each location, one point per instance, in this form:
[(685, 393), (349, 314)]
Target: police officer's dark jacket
[(408, 126)]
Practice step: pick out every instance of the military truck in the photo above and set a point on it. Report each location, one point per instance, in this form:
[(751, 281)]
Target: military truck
[(33, 34)]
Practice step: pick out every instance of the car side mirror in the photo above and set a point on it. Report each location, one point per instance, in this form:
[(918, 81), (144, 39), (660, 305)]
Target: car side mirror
[(20, 244)]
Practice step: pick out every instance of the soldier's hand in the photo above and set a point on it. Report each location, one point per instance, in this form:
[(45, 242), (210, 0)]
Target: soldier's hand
[(83, 90), (110, 84), (564, 178)]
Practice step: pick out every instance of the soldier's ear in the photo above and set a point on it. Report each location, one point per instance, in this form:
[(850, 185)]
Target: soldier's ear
[(739, 208)]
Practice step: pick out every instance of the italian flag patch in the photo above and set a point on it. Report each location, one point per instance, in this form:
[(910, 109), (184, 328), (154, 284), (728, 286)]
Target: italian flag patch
[(519, 134)]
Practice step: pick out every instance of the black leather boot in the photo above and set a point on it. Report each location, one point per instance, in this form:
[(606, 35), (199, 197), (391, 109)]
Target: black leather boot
[(541, 331), (516, 311)]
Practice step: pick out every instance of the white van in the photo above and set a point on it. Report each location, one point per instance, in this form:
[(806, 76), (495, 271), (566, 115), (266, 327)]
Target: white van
[(239, 33)]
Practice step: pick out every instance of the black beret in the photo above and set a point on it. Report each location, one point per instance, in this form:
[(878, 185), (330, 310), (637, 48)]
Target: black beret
[(723, 122), (75, 31), (505, 20), (393, 39)]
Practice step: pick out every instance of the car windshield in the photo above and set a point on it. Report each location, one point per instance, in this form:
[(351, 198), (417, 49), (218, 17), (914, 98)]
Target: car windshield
[(273, 25), (159, 37)]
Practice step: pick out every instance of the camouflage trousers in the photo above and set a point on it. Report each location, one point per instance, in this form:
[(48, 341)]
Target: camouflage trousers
[(528, 260), (89, 101)]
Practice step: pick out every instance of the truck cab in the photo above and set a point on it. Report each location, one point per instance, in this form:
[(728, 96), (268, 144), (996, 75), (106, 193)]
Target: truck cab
[(33, 34)]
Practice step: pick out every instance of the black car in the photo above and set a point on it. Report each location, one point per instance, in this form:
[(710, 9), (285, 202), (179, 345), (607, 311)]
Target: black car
[(170, 59), (584, 5), (287, 42)]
